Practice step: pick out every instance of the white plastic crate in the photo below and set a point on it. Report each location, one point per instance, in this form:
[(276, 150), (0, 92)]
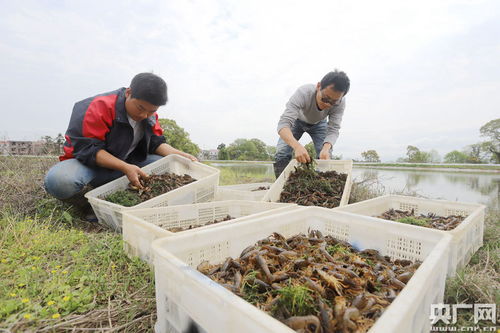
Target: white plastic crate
[(241, 192), (142, 226), (467, 238), (184, 295), (202, 190), (343, 166)]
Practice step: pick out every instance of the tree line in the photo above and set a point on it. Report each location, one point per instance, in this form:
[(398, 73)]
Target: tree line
[(487, 151)]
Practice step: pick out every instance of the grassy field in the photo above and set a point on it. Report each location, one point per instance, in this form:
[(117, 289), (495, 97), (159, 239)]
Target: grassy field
[(492, 167), (431, 166), (59, 273)]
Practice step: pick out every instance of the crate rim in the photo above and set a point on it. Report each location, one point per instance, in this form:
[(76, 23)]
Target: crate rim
[(130, 212)]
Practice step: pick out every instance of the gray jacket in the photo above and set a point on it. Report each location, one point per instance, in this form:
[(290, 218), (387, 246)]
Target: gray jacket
[(302, 105)]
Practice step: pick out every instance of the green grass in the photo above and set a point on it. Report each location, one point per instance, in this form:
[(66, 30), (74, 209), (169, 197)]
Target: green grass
[(234, 176), (430, 166), (422, 222), (48, 272), (58, 272), (124, 198), (54, 263), (337, 248), (297, 300), (479, 281)]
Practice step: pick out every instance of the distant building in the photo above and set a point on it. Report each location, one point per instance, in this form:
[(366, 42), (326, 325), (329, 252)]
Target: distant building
[(210, 154), (20, 148), (4, 148), (39, 147)]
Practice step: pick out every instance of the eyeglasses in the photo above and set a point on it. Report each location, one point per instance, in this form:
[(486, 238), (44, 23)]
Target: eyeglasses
[(328, 100)]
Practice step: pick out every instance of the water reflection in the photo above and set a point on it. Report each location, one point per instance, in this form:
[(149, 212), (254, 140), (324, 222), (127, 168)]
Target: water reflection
[(456, 186), (257, 169)]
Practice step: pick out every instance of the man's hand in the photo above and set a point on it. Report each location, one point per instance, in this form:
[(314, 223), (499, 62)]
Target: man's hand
[(133, 173), (301, 154), (191, 157), (165, 150), (325, 151)]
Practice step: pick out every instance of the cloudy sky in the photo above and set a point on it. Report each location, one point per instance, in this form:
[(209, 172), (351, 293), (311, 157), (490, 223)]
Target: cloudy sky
[(425, 73)]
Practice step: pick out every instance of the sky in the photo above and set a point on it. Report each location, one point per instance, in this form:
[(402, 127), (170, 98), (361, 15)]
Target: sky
[(423, 73)]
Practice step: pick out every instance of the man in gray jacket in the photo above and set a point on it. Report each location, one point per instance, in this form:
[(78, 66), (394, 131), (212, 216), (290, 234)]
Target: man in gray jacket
[(306, 111)]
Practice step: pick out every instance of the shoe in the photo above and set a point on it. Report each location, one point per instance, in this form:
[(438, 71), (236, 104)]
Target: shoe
[(90, 216)]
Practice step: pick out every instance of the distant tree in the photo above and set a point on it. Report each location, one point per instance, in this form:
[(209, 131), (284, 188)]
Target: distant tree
[(475, 153), (455, 156), (491, 130), (262, 153), (271, 151), (434, 156), (370, 156), (222, 154), (177, 137), (415, 155), (60, 139), (248, 150), (412, 152), (51, 146), (489, 148)]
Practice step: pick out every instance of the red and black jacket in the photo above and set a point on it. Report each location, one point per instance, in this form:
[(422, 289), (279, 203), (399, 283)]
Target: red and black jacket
[(101, 122)]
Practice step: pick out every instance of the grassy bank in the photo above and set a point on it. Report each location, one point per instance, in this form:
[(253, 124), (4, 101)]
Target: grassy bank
[(392, 165), (59, 273), (430, 166)]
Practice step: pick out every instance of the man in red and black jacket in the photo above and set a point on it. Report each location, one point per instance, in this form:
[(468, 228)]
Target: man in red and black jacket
[(111, 135)]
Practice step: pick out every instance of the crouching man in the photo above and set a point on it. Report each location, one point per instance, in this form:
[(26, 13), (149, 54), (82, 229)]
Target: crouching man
[(307, 111), (111, 135)]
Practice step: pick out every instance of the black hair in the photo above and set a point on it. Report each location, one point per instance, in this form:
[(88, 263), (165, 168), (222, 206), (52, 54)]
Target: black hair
[(339, 80), (150, 88)]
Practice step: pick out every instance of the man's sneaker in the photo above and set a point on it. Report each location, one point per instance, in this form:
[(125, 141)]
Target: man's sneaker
[(90, 215)]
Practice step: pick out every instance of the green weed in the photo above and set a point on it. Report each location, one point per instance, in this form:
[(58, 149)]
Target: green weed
[(337, 248), (124, 198), (297, 300), (422, 222)]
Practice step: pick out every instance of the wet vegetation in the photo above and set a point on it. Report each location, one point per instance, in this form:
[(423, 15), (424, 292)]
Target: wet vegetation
[(314, 282), (430, 220), (308, 187), (152, 186)]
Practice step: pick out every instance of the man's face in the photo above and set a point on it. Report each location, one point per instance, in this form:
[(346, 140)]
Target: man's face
[(327, 97), (138, 109)]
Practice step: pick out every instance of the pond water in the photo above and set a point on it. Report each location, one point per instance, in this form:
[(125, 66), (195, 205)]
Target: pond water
[(476, 187), (473, 187)]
